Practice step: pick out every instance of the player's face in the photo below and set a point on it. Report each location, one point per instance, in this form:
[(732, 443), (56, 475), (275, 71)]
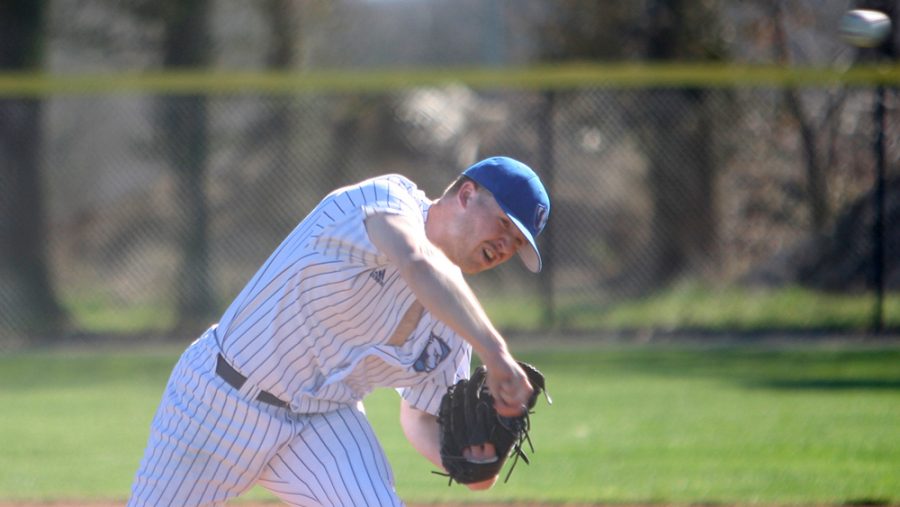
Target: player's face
[(489, 238)]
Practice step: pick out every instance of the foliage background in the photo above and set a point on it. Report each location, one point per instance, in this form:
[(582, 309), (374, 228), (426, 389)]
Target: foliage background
[(156, 152)]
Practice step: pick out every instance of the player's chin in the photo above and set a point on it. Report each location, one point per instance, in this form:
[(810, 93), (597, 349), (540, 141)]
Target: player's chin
[(483, 485), (473, 268)]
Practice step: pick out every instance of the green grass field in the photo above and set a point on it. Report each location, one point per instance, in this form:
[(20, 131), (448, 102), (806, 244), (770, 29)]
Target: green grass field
[(654, 423)]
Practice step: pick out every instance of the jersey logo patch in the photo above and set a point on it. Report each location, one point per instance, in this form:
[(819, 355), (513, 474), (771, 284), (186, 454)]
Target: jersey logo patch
[(436, 350), (378, 276)]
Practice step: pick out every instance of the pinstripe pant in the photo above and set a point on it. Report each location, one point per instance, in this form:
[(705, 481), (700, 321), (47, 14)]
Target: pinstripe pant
[(209, 443)]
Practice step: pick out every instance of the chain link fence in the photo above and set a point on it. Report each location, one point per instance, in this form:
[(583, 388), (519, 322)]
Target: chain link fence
[(159, 208)]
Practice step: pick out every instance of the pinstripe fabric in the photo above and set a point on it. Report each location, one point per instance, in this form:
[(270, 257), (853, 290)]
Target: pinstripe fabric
[(327, 301), (336, 460), (208, 442), (312, 327)]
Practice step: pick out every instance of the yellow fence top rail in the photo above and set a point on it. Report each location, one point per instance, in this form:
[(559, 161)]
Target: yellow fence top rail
[(545, 77)]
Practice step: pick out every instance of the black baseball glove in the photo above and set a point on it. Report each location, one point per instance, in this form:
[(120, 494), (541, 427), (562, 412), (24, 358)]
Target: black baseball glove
[(467, 417)]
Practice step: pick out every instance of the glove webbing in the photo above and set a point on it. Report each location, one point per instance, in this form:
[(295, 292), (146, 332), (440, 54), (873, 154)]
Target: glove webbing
[(523, 437)]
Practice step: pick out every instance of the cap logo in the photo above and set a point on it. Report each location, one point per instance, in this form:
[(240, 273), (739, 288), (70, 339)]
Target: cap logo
[(540, 218)]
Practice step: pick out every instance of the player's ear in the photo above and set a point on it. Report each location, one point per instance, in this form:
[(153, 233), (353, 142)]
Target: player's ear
[(466, 193)]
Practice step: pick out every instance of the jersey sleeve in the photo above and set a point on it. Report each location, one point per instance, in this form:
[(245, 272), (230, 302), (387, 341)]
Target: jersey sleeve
[(345, 237), (427, 395), (392, 195)]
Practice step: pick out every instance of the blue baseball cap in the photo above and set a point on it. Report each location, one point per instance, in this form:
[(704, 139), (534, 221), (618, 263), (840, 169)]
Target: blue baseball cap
[(521, 195)]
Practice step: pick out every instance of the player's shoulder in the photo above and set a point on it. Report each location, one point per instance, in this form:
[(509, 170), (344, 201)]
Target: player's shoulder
[(383, 181), (392, 179), (392, 186)]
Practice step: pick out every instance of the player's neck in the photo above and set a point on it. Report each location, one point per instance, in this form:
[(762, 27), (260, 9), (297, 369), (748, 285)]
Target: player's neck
[(439, 225)]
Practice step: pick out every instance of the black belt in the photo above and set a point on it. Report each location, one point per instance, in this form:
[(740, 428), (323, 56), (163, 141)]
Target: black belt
[(237, 381)]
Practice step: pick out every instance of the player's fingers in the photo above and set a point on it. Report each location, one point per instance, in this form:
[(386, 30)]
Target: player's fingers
[(510, 389), (485, 453), (511, 410), (508, 408), (513, 397)]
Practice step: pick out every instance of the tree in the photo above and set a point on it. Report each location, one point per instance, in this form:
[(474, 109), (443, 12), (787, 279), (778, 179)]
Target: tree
[(675, 126), (275, 134), (185, 137), (26, 289), (816, 130), (680, 143)]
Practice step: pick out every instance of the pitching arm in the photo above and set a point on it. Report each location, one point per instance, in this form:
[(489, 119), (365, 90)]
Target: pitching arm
[(440, 287)]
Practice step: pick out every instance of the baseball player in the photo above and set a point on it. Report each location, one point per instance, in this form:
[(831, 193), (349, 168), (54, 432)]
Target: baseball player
[(367, 291)]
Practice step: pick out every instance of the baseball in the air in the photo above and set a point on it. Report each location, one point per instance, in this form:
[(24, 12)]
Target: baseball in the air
[(864, 28)]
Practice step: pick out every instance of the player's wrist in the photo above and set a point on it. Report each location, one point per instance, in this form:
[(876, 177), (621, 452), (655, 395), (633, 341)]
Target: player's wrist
[(494, 351)]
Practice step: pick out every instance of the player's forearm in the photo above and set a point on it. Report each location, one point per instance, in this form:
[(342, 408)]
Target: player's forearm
[(436, 282), (422, 431)]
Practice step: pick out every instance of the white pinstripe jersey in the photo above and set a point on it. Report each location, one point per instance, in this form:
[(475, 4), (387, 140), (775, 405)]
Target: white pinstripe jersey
[(312, 325)]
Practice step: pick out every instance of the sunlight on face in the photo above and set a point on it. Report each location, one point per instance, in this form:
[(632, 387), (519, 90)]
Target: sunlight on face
[(491, 237)]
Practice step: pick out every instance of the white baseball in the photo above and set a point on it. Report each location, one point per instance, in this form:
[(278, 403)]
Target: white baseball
[(864, 28)]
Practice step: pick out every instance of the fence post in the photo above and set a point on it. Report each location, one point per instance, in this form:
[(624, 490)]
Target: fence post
[(878, 246), (547, 155)]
